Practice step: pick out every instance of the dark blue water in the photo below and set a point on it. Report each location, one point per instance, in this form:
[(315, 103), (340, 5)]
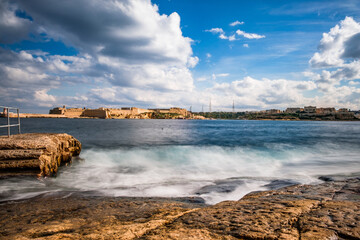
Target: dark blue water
[(216, 159)]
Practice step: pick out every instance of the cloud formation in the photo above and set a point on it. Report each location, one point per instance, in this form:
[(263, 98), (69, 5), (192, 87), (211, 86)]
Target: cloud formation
[(130, 55), (265, 92), (340, 43), (222, 34), (128, 44), (338, 49), (233, 24), (249, 35), (12, 28)]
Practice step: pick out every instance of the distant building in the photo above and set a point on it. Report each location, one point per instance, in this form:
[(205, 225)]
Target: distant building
[(272, 111), (325, 110), (294, 110), (310, 109), (58, 110), (343, 110), (69, 112)]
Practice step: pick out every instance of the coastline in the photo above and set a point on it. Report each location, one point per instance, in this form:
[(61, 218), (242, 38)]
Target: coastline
[(324, 211), (56, 116)]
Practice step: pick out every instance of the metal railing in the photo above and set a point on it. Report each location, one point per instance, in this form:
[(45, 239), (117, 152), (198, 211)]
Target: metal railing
[(6, 113)]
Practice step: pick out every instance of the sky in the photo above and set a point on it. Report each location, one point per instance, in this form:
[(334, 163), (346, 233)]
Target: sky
[(163, 53)]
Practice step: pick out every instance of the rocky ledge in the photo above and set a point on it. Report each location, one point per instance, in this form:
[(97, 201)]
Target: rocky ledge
[(36, 153), (326, 211)]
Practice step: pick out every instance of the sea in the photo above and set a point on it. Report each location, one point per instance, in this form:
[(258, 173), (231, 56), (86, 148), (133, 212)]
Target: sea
[(214, 160)]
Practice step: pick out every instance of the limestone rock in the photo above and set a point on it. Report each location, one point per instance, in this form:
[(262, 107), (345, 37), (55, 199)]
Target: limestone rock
[(327, 211), (36, 153)]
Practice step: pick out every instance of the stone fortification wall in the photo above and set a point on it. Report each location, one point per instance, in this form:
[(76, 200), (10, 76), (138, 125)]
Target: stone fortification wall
[(120, 113), (128, 112), (131, 112), (136, 110), (73, 112), (57, 110), (96, 113), (160, 110), (180, 111)]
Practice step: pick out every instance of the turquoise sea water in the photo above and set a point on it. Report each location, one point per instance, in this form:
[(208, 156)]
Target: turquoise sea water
[(213, 159)]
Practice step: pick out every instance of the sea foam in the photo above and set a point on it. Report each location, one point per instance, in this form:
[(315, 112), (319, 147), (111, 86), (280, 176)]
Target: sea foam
[(214, 173)]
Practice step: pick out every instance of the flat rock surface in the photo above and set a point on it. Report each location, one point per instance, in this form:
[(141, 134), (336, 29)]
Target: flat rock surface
[(326, 211)]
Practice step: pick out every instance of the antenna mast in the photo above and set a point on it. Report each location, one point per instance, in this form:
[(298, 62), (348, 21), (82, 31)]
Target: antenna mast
[(210, 106)]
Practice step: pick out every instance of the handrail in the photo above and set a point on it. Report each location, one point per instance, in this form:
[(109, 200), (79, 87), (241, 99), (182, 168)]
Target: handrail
[(6, 110), (8, 107)]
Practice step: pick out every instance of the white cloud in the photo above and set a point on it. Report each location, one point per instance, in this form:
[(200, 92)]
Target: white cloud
[(215, 30), (222, 74), (192, 62), (128, 38), (215, 76), (43, 98), (236, 23), (338, 50), (354, 83), (341, 42), (246, 45), (129, 44), (250, 93), (232, 38), (130, 55), (222, 34), (249, 35)]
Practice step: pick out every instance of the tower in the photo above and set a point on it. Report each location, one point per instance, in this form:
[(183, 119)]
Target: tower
[(233, 108)]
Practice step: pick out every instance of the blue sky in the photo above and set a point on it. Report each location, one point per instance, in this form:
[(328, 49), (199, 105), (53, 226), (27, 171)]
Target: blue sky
[(163, 53)]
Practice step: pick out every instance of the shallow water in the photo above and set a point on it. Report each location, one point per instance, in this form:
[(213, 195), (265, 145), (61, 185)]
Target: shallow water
[(216, 160)]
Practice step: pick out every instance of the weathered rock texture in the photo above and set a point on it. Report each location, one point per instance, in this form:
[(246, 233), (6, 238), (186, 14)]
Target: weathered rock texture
[(326, 211), (36, 153)]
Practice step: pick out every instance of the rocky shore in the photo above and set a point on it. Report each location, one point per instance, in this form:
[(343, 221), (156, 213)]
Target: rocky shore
[(330, 210), (38, 154)]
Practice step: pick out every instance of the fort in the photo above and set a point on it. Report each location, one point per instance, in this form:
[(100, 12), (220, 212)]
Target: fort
[(121, 113), (290, 113)]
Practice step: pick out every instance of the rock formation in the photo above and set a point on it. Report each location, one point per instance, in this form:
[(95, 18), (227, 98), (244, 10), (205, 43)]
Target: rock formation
[(36, 153), (327, 211)]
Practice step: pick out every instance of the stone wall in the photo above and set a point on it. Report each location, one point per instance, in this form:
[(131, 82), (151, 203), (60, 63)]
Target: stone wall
[(73, 112), (96, 113), (180, 111), (57, 110)]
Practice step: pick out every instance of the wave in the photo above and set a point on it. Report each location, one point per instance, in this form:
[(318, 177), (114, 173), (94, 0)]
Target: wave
[(212, 172)]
